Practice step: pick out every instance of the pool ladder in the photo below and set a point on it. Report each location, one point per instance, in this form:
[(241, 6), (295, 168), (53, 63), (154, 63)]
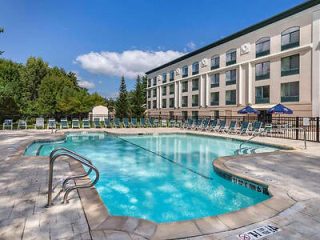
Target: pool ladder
[(64, 152)]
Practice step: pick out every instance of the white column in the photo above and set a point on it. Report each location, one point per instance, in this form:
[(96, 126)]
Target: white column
[(250, 90), (208, 87), (180, 94), (159, 97), (239, 86), (202, 91), (176, 95), (315, 65)]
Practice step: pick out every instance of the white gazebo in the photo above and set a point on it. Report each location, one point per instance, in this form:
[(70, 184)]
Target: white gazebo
[(100, 112)]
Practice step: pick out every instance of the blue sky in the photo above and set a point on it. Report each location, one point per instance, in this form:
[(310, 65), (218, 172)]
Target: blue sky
[(103, 39)]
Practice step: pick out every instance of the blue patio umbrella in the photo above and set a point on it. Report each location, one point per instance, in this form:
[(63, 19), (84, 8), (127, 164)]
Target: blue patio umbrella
[(248, 110), (280, 109)]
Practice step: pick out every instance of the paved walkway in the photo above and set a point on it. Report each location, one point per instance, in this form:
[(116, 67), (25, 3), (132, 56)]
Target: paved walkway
[(23, 186)]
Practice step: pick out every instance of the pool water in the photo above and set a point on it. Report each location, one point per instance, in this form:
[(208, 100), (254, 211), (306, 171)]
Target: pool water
[(162, 178)]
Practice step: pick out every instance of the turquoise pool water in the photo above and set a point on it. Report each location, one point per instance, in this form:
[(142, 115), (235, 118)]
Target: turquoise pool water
[(162, 178)]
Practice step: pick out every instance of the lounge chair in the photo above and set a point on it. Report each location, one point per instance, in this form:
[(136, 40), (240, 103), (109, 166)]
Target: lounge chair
[(213, 126), (125, 122), (142, 122), (39, 123), (64, 123), (7, 124), (96, 123), (133, 122), (244, 128), (190, 124), (205, 124), (232, 127), (22, 124), (52, 123), (267, 130), (85, 123), (116, 123), (222, 126), (75, 123), (107, 123), (163, 123), (256, 128), (172, 123), (156, 122), (197, 124)]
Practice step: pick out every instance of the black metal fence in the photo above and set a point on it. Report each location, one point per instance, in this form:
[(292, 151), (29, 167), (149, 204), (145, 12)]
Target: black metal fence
[(282, 127)]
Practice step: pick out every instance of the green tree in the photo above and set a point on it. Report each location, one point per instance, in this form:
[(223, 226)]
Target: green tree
[(138, 99), (122, 103)]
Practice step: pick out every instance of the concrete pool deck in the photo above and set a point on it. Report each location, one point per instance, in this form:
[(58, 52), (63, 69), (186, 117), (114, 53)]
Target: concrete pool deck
[(292, 175)]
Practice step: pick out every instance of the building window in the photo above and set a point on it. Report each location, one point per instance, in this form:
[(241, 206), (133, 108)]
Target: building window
[(231, 97), (154, 81), (290, 92), (290, 38), (195, 100), (154, 104), (164, 90), (171, 103), (185, 71), (215, 80), (262, 70), (164, 103), (214, 99), (195, 115), (149, 93), (184, 115), (171, 75), (215, 62), (154, 92), (149, 82), (262, 94), (184, 86), (231, 57), (290, 65), (216, 114), (149, 105), (171, 89), (164, 77), (184, 101), (263, 47), (195, 84), (231, 77), (195, 68)]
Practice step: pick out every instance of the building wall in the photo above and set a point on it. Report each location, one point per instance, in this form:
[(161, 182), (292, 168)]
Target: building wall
[(307, 20)]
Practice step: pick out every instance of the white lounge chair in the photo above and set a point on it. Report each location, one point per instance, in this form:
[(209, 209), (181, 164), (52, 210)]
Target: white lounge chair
[(7, 124), (39, 123), (64, 124), (22, 124), (75, 123), (52, 124)]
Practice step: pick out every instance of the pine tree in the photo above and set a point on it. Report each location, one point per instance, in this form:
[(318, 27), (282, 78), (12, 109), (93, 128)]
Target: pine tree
[(138, 101), (122, 104)]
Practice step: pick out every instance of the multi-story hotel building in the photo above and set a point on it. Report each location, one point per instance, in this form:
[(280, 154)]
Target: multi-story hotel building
[(274, 61)]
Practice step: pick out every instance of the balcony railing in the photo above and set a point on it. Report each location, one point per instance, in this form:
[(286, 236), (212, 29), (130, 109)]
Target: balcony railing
[(196, 104), (231, 102), (289, 72), (231, 82), (290, 99), (213, 85), (262, 100), (231, 62), (290, 45), (262, 53), (185, 75), (184, 105), (195, 72), (215, 67), (214, 103), (195, 88), (262, 76)]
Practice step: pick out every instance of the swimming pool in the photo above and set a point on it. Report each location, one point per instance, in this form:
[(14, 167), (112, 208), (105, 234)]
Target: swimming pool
[(162, 178)]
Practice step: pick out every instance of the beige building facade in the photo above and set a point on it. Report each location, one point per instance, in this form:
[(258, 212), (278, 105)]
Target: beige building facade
[(274, 61)]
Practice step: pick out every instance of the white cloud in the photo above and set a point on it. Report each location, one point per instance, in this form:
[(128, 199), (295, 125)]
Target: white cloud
[(86, 84), (83, 83), (129, 63), (191, 45)]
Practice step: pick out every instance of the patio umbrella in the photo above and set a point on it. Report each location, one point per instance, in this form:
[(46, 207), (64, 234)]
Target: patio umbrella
[(248, 110), (280, 109)]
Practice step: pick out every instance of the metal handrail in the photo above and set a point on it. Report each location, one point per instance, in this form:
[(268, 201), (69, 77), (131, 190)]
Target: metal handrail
[(249, 140), (77, 157)]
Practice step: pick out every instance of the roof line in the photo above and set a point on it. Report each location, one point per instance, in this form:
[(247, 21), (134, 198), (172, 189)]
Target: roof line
[(278, 17)]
